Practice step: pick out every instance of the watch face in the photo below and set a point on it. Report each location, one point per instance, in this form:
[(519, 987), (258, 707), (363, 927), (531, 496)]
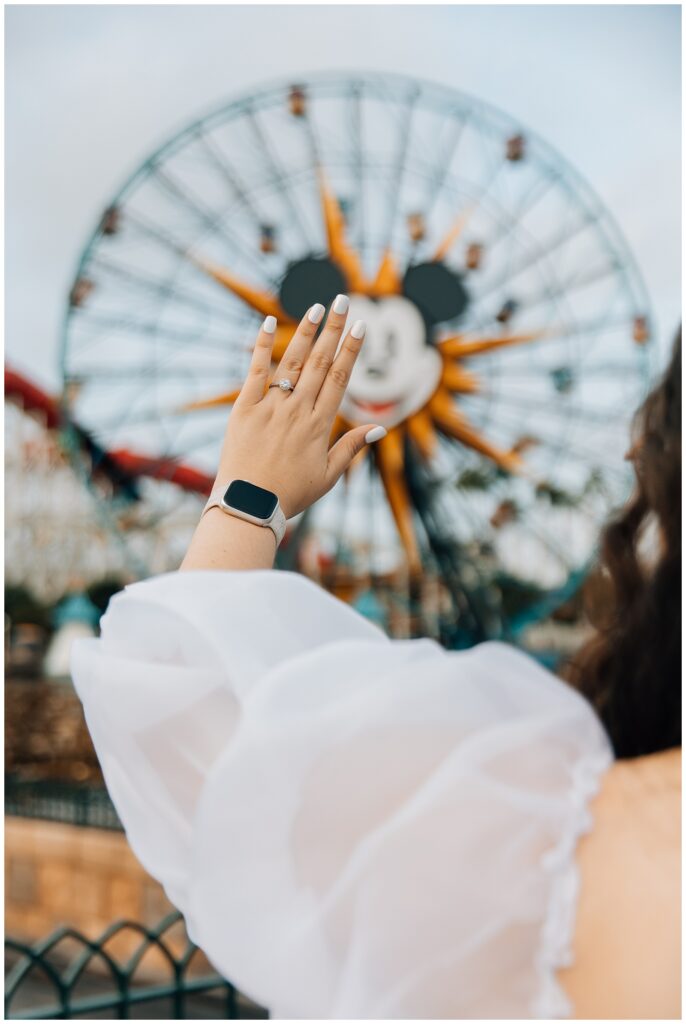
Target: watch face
[(249, 498)]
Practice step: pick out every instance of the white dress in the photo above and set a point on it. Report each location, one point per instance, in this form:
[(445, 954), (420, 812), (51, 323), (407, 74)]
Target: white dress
[(353, 827)]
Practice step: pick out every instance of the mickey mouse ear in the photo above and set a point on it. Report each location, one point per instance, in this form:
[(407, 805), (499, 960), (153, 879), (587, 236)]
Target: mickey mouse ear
[(437, 291), (307, 281)]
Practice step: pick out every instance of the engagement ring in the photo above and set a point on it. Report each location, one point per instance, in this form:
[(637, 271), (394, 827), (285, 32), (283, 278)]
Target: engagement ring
[(284, 384)]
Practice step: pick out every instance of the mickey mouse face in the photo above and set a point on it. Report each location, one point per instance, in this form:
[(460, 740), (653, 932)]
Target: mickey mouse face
[(397, 371), (399, 368)]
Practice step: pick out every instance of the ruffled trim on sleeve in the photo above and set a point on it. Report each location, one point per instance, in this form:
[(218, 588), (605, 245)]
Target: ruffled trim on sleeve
[(557, 934)]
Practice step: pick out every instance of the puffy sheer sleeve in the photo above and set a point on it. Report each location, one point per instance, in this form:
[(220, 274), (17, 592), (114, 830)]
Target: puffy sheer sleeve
[(353, 827)]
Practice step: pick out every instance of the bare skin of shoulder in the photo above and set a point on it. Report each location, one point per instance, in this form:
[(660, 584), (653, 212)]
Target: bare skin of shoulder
[(627, 945)]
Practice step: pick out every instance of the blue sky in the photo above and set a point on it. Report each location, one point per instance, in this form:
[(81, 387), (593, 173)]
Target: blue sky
[(91, 90)]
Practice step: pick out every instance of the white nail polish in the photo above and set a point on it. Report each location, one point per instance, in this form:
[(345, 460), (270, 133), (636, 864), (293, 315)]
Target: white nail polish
[(375, 434), (340, 304), (316, 313), (358, 329), (269, 325)]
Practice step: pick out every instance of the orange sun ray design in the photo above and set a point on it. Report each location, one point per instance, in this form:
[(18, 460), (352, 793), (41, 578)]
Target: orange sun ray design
[(209, 403), (459, 347), (458, 380), (387, 280), (339, 250), (422, 431), (390, 463), (453, 423), (261, 301), (448, 241)]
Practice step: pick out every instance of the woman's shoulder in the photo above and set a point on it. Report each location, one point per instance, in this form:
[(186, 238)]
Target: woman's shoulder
[(627, 938)]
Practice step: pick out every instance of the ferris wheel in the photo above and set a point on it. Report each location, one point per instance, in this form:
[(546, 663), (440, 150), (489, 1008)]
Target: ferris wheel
[(508, 340)]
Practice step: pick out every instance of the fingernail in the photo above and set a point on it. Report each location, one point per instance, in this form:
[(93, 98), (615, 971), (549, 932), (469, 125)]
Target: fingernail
[(340, 304), (375, 434), (316, 313), (358, 331), (269, 325)]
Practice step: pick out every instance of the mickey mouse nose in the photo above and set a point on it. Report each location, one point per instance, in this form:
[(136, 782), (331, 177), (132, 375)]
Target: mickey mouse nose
[(375, 371)]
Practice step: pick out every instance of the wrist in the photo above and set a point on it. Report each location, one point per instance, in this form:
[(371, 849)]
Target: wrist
[(222, 541), (245, 532)]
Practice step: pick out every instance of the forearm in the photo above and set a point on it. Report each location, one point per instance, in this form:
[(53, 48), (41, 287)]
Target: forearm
[(222, 541)]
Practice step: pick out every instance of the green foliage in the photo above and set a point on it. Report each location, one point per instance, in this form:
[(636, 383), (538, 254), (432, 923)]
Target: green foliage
[(517, 595), (103, 589), (23, 607), (557, 496), (476, 478)]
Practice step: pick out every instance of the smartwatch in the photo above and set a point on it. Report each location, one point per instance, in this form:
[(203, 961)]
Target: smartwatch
[(248, 501)]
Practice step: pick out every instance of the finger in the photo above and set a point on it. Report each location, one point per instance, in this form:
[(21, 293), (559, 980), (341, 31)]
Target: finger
[(257, 379), (345, 449), (322, 355), (299, 347), (338, 375)]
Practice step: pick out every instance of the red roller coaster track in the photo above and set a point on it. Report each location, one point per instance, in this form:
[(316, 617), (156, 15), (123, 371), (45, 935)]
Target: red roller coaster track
[(121, 466)]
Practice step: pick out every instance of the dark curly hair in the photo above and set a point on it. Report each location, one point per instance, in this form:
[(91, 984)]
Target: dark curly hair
[(630, 669)]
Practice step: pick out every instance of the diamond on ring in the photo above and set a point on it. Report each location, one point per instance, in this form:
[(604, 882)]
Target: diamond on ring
[(285, 384)]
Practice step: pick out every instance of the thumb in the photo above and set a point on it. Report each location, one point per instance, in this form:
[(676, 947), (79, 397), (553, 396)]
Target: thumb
[(347, 447)]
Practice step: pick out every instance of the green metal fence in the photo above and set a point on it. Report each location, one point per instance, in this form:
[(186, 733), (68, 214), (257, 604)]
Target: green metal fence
[(46, 982), (72, 803)]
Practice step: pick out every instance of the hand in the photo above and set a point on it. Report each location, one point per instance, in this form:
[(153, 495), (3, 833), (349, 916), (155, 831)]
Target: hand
[(278, 439)]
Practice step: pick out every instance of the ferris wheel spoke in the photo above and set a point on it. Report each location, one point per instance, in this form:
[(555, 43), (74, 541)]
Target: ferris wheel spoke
[(393, 192), (464, 215), (232, 178), (463, 346), (523, 374), (509, 227), (147, 229), (356, 149), (437, 178), (116, 374), (210, 221), (562, 291), (278, 178), (540, 188), (201, 443), (152, 231), (540, 252), (566, 445), (140, 281), (504, 223), (227, 173), (152, 328), (533, 404), (156, 413)]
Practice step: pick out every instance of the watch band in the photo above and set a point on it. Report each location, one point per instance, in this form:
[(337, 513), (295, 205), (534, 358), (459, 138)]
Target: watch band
[(277, 523)]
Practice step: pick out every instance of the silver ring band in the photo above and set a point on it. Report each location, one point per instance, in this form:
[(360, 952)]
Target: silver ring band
[(284, 384)]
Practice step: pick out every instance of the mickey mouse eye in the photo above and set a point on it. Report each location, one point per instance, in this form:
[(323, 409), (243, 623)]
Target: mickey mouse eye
[(391, 344)]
